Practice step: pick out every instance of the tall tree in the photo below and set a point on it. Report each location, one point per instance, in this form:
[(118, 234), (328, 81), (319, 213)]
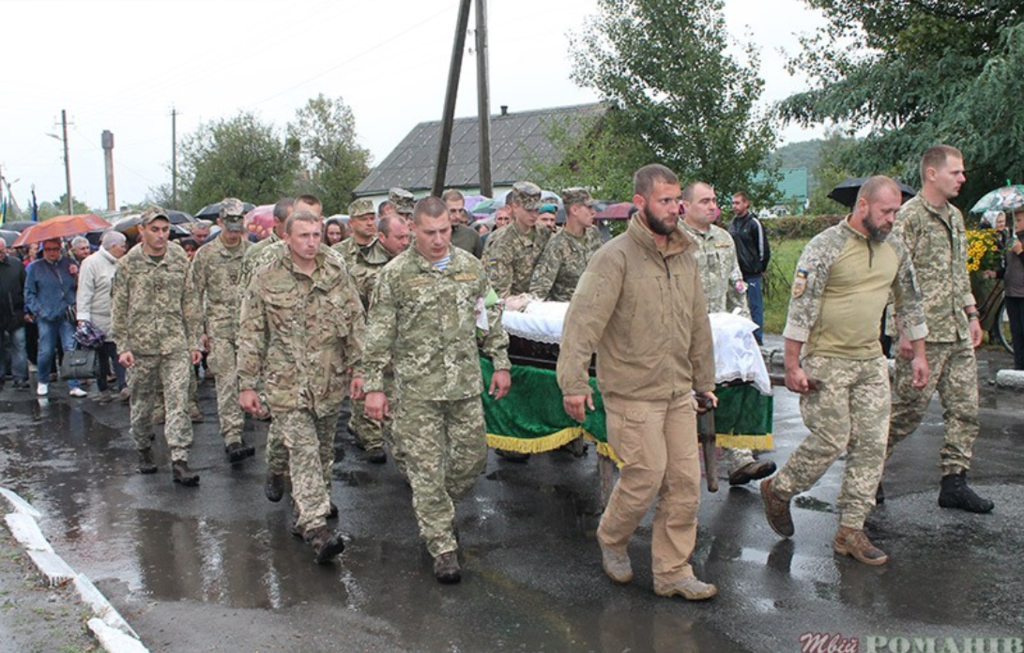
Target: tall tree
[(912, 74), (325, 133), (236, 157), (680, 97)]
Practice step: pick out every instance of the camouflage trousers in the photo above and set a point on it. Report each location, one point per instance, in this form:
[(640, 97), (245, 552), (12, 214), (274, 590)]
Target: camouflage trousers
[(953, 371), (309, 441), (445, 449), (167, 374), (733, 459), (223, 363), (277, 454), (368, 432), (848, 414)]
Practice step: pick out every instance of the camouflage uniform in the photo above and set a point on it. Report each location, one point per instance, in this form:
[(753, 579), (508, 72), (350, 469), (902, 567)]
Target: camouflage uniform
[(152, 318), (562, 263), (849, 413), (215, 280), (402, 200), (719, 272), (423, 322), (301, 334), (937, 241), (364, 262), (257, 256), (510, 255)]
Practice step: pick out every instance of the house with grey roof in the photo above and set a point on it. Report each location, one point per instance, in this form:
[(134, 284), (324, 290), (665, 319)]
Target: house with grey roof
[(519, 141)]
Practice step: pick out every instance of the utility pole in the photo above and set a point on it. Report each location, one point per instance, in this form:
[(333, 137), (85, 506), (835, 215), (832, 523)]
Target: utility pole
[(483, 99), (174, 158), (67, 160), (449, 98), (107, 140)]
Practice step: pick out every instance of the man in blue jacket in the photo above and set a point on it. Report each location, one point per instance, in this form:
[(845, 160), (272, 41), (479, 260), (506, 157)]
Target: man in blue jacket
[(49, 294)]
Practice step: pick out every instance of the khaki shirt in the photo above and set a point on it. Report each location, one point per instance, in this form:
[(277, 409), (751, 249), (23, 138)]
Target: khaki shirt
[(643, 311), (936, 240)]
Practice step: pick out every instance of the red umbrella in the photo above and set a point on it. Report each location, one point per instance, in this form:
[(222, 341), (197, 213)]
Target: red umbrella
[(618, 211), (260, 221), (62, 226)]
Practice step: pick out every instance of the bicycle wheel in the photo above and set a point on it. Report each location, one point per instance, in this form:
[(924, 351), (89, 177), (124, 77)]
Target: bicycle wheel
[(1003, 327)]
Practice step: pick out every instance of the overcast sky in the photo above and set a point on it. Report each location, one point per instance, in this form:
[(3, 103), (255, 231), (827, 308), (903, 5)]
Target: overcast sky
[(122, 65)]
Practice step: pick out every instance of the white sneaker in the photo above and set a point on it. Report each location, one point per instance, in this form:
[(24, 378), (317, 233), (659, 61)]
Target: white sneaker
[(78, 392), (42, 389)]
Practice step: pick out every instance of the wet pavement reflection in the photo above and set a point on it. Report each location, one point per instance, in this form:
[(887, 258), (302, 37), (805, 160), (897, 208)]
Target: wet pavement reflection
[(217, 567)]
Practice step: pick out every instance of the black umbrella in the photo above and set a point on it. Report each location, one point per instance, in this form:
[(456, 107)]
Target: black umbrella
[(846, 191), (19, 226), (179, 217), (130, 227), (212, 211), (8, 236)]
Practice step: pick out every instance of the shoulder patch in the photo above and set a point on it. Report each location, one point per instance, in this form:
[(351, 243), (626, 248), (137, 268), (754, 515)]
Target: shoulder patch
[(799, 283)]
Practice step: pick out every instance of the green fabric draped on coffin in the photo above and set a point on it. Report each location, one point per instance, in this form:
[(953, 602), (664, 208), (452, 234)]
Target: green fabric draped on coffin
[(530, 419)]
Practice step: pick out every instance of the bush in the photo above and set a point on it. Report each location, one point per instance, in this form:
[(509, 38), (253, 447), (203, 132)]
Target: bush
[(799, 227)]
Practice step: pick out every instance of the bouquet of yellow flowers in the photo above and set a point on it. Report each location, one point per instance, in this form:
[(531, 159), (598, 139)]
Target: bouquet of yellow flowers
[(982, 252)]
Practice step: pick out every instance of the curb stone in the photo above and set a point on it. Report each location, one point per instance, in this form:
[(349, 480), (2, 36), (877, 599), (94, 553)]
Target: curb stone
[(108, 626)]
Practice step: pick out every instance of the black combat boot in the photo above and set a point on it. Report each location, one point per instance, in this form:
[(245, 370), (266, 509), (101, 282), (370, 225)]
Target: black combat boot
[(239, 451), (447, 569), (146, 463), (274, 488), (956, 493), (326, 543), (182, 474)]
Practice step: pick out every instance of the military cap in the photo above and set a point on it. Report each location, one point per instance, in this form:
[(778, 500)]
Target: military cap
[(402, 200), (576, 195), (361, 206), (153, 213), (526, 195), (232, 213)]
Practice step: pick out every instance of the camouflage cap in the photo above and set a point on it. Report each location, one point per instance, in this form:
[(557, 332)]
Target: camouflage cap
[(402, 200), (232, 212), (576, 195), (526, 195), (361, 206), (231, 208), (153, 213)]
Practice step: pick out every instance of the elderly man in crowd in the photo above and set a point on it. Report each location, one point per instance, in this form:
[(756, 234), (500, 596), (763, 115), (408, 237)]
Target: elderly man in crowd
[(12, 318), (94, 290), (50, 298)]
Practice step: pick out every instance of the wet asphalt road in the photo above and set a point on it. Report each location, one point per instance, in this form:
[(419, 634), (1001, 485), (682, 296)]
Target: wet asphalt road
[(215, 568)]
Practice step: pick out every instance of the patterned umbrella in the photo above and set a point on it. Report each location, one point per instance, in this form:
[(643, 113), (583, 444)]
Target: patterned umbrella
[(1007, 198), (260, 221), (61, 226)]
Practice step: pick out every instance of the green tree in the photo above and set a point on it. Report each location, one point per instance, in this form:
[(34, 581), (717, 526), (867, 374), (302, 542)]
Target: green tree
[(324, 132), (237, 157), (829, 171), (913, 74), (47, 210), (681, 100)]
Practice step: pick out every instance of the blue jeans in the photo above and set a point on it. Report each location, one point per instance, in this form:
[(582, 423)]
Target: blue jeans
[(756, 305), (12, 351), (108, 359), (49, 331)]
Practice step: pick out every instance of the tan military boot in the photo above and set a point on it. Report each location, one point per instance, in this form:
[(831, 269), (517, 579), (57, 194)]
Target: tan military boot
[(855, 543), (776, 510), (690, 588), (616, 565)]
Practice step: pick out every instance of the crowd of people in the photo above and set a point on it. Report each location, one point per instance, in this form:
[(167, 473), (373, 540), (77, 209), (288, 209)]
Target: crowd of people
[(393, 308)]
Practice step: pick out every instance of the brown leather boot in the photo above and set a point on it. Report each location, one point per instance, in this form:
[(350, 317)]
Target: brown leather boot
[(855, 543), (447, 569), (776, 510), (326, 543), (182, 474)]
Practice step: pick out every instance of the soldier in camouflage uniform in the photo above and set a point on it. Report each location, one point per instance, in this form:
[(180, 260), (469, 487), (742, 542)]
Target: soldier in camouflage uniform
[(152, 319), (300, 331), (423, 321), (843, 280), (567, 253), (725, 292), (215, 282), (364, 255), (933, 231), (462, 236), (511, 252), (402, 201)]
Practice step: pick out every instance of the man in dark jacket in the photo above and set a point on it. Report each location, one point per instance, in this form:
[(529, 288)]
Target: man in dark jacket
[(12, 318), (49, 293), (753, 253)]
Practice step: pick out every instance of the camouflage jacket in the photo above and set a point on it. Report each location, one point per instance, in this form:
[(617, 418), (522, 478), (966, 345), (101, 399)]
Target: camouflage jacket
[(719, 269), (215, 282), (562, 263), (149, 311), (937, 242), (257, 256), (510, 256), (423, 320), (856, 298), (368, 263), (300, 334)]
